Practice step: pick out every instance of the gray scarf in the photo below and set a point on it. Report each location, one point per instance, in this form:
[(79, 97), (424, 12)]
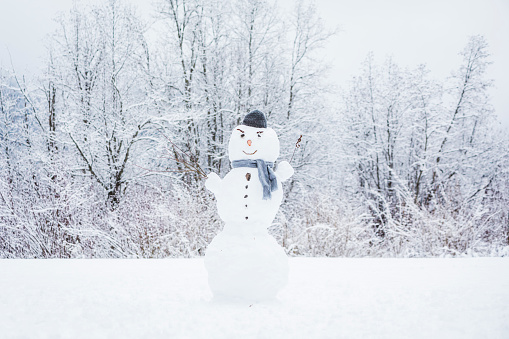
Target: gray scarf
[(265, 173)]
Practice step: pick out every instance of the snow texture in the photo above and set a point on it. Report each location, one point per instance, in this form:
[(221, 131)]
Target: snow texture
[(324, 298)]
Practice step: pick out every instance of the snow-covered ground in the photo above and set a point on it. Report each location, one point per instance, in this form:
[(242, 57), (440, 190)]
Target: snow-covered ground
[(325, 298)]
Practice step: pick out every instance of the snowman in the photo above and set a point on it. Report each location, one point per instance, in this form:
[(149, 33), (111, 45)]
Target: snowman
[(244, 261)]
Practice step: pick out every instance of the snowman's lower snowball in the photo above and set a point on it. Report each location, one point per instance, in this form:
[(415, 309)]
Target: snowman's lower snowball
[(251, 268)]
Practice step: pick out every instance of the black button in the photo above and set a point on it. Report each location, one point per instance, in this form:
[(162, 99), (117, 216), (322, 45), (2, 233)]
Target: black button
[(246, 186), (245, 196), (248, 176), (246, 218)]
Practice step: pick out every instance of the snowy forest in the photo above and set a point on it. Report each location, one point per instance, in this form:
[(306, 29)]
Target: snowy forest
[(98, 151)]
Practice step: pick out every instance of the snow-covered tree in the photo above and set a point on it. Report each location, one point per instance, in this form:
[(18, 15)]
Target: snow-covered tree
[(416, 147), (99, 61)]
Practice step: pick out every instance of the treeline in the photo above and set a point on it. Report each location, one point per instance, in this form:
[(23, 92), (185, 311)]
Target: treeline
[(90, 150)]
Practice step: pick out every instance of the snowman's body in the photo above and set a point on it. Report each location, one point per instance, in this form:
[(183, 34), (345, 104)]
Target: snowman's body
[(244, 261), (241, 201)]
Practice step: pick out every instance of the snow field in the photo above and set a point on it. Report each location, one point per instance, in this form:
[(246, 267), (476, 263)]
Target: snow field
[(325, 298)]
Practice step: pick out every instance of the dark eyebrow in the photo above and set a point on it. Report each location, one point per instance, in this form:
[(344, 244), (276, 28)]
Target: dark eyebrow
[(259, 132), (238, 129)]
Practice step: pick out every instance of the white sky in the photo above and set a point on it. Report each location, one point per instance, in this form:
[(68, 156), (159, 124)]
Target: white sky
[(411, 31)]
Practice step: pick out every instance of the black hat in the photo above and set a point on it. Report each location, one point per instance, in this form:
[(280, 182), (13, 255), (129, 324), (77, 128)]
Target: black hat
[(255, 119)]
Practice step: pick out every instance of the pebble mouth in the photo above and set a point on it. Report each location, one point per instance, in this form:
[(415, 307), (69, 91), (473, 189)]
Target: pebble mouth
[(250, 153)]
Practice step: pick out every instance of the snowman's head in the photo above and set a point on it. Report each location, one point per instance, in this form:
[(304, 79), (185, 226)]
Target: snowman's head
[(253, 140)]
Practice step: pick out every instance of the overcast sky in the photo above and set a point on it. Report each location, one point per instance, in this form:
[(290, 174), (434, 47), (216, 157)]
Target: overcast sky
[(412, 32)]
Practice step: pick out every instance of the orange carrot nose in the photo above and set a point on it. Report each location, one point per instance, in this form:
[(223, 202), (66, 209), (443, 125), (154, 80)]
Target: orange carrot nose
[(249, 142)]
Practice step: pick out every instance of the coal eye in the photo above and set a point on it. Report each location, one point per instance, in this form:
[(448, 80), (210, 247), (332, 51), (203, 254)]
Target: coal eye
[(242, 135), (259, 135)]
